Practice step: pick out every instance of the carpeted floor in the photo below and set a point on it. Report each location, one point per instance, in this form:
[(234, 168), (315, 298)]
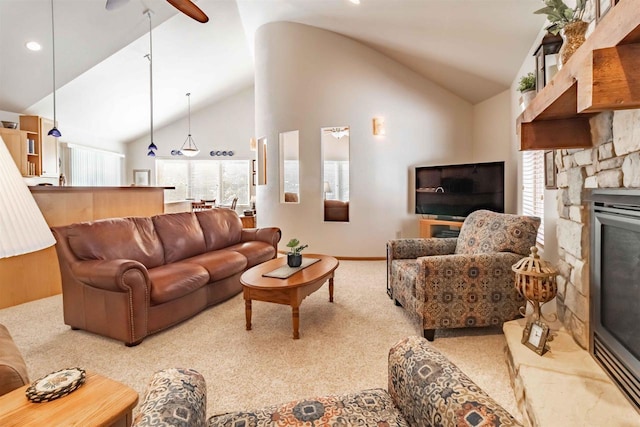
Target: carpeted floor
[(342, 347)]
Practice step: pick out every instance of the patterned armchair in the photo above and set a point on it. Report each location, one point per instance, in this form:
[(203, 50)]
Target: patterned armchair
[(465, 281), (425, 389)]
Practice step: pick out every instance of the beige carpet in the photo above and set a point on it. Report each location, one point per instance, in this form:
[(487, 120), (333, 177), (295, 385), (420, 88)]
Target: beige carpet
[(342, 347)]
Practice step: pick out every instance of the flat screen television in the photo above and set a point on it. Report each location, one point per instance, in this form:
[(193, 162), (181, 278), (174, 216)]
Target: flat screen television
[(454, 191)]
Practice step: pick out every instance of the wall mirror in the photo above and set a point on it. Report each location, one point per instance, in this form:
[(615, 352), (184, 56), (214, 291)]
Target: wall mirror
[(289, 167), (335, 172), (262, 160)]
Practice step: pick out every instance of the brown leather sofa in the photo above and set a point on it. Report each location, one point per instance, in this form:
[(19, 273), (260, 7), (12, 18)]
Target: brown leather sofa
[(336, 210), (127, 278)]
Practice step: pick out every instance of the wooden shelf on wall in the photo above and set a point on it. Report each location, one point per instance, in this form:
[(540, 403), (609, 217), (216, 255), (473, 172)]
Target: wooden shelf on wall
[(602, 75)]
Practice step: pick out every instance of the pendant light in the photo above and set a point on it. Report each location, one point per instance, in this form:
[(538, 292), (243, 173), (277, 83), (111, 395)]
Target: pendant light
[(54, 130), (152, 147), (189, 147)]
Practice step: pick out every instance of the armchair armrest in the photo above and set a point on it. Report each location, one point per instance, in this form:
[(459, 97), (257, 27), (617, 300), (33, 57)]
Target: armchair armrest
[(414, 248), (429, 390), (118, 275), (174, 397)]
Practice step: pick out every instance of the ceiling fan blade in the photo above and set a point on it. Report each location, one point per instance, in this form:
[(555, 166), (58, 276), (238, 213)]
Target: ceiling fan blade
[(190, 9), (114, 4)]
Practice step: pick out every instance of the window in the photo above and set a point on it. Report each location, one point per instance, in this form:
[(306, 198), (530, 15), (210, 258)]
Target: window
[(221, 180), (90, 167), (533, 188), (336, 173)]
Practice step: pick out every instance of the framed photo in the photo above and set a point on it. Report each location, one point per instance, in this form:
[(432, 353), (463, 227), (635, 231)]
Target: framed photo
[(602, 7), (535, 336), (141, 177), (550, 170)]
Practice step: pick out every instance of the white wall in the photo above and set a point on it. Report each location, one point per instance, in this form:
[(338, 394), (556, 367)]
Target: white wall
[(225, 125), (550, 250), (308, 78), (492, 127)]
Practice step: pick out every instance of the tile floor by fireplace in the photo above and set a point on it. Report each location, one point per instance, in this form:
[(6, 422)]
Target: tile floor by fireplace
[(564, 387)]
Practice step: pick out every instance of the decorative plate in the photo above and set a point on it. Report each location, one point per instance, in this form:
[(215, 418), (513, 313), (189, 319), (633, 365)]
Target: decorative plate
[(56, 384)]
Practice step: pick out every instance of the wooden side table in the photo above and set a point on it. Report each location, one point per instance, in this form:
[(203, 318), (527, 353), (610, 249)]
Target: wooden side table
[(248, 221), (100, 401)]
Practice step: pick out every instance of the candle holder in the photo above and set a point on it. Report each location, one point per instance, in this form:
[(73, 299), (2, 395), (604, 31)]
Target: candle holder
[(536, 282)]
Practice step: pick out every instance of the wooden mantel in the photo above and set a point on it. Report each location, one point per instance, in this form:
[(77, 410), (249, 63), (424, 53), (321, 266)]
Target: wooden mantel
[(603, 74), (37, 275)]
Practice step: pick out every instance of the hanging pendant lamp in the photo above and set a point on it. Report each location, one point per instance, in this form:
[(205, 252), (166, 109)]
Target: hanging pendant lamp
[(152, 146), (54, 130), (189, 147)]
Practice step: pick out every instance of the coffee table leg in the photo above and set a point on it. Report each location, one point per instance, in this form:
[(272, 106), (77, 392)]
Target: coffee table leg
[(247, 313), (295, 316), (331, 289)]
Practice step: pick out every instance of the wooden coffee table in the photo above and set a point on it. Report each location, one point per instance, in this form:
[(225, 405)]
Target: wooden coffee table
[(100, 401), (290, 291)]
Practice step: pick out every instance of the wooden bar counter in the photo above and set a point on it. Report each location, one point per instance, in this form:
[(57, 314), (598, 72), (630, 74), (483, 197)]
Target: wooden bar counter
[(37, 275)]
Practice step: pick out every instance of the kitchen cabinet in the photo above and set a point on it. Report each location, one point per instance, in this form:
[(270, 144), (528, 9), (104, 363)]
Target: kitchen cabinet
[(44, 156), (16, 142)]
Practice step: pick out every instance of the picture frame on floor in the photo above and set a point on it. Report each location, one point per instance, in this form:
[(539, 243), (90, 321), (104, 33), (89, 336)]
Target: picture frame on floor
[(550, 170)]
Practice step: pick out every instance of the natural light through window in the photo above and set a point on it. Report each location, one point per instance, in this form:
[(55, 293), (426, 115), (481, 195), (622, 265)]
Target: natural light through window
[(533, 188), (221, 180)]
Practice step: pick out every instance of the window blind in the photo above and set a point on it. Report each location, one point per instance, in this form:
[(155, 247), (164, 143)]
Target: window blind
[(533, 188), (91, 167)]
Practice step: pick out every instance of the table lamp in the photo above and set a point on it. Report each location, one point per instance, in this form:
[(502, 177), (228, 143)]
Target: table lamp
[(22, 226)]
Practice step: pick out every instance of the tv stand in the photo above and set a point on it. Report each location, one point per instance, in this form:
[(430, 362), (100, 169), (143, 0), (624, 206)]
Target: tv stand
[(427, 226)]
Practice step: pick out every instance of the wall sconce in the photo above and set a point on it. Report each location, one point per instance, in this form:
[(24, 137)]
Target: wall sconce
[(378, 126), (253, 144)]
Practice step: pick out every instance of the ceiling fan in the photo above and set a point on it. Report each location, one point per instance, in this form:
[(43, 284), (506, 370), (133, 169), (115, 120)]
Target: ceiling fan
[(185, 6), (337, 133)]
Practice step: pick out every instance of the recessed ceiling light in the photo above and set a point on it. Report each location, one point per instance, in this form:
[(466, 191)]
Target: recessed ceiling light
[(355, 1), (34, 46)]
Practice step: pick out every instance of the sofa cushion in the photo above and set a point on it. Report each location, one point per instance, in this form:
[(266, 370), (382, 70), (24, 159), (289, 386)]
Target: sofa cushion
[(221, 228), (485, 231), (255, 251), (181, 235), (220, 264), (366, 408), (172, 281), (13, 370), (117, 238)]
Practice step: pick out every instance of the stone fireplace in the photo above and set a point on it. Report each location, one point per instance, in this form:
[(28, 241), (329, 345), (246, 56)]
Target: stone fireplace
[(613, 162)]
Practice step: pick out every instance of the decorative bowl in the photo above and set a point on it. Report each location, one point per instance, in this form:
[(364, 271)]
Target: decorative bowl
[(10, 125)]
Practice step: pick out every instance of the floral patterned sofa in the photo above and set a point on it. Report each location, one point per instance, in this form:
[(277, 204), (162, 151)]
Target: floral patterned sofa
[(425, 389), (465, 281)]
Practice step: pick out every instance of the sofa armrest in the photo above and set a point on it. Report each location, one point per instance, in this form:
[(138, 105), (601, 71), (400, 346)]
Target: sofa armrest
[(174, 397), (429, 390), (118, 275), (414, 248), (270, 235), (13, 370)]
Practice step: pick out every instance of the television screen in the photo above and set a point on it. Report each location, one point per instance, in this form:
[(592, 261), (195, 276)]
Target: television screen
[(454, 191)]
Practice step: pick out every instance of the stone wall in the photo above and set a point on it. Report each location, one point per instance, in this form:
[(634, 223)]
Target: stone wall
[(613, 162)]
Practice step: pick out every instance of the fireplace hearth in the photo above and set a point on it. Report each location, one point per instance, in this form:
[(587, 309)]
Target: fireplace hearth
[(615, 287)]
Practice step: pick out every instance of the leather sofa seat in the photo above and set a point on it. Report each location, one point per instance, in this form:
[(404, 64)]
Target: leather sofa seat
[(127, 278)]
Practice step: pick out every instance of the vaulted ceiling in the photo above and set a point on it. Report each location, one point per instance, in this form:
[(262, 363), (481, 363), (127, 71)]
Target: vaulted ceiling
[(471, 47)]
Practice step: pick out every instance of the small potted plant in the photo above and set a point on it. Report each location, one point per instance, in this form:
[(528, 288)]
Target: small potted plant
[(568, 22), (527, 87), (294, 257)]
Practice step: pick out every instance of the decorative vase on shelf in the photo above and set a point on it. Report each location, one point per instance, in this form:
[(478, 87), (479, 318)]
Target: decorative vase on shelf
[(294, 260), (572, 38), (526, 98)]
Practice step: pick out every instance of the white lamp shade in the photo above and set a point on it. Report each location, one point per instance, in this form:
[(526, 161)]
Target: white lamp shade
[(327, 187), (22, 226)]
